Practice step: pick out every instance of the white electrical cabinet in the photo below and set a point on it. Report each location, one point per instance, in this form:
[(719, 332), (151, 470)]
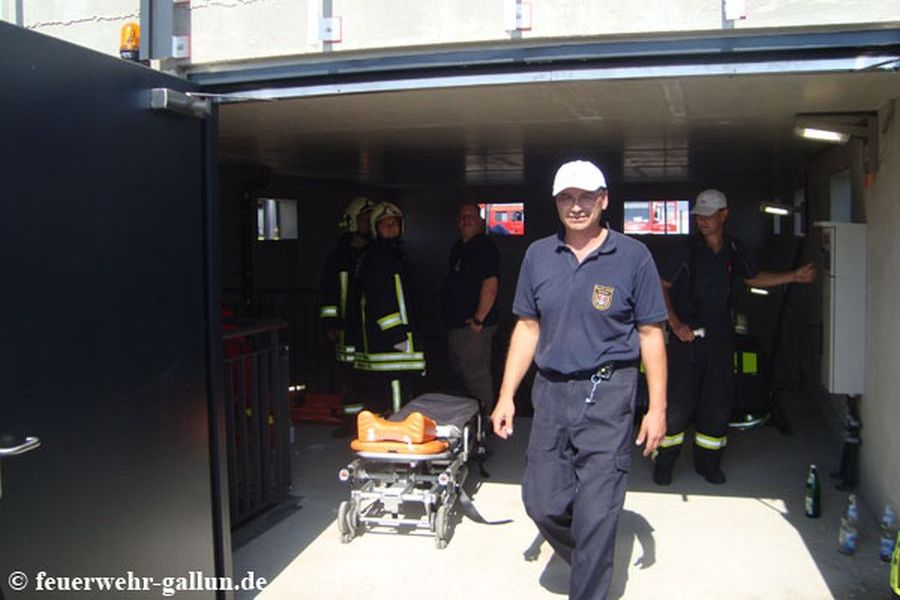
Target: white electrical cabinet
[(843, 274)]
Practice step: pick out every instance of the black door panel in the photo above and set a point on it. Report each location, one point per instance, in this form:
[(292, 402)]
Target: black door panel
[(103, 343)]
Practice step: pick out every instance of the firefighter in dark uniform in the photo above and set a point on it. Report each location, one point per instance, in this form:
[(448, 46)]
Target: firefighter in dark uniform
[(589, 307), (386, 352), (697, 285), (333, 312)]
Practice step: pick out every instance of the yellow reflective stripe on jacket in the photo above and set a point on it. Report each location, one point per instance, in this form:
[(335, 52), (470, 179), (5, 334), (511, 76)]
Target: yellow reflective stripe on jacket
[(389, 356), (329, 311), (672, 440), (345, 353), (389, 321), (390, 361), (401, 301), (390, 366), (709, 442), (344, 277)]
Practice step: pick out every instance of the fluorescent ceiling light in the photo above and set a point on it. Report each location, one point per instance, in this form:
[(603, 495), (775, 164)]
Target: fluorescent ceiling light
[(822, 135), (759, 291), (775, 208), (839, 127)]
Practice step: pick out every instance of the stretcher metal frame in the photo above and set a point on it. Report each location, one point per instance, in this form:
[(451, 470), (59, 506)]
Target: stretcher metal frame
[(386, 487)]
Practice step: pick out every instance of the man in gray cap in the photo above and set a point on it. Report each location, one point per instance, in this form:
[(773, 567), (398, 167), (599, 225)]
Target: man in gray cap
[(697, 282), (590, 307)]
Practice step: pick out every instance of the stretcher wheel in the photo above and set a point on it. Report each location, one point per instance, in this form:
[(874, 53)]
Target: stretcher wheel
[(348, 520), (442, 526)]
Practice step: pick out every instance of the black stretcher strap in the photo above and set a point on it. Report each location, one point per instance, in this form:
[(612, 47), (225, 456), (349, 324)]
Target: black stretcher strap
[(468, 508)]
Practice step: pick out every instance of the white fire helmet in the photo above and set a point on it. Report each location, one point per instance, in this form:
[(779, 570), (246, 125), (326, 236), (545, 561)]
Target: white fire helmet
[(358, 205), (383, 210)]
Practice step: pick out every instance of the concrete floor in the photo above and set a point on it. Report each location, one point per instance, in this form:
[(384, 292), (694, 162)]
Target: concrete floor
[(747, 539)]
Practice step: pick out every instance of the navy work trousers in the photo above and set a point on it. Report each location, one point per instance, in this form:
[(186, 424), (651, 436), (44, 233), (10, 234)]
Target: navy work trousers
[(576, 472), (701, 389)]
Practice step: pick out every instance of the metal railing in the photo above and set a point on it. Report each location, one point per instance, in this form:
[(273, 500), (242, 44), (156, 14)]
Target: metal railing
[(255, 363)]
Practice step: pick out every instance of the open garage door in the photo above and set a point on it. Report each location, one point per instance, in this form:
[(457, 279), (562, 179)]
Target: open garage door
[(665, 119)]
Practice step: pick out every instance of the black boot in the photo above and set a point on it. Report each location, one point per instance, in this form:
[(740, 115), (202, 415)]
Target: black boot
[(664, 463), (707, 464)]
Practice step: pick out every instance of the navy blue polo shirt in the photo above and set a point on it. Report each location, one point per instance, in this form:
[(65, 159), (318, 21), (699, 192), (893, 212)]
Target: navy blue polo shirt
[(709, 303), (470, 264), (588, 312)]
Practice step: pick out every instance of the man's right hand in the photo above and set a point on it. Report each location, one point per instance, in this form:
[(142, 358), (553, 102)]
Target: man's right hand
[(682, 331), (502, 417)]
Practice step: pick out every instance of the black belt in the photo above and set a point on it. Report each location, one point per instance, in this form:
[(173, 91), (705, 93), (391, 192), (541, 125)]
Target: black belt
[(605, 371)]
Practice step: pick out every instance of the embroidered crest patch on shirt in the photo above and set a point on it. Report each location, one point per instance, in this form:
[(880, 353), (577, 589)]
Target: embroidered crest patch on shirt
[(602, 297)]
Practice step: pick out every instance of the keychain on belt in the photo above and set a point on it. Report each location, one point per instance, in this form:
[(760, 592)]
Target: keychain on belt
[(603, 374)]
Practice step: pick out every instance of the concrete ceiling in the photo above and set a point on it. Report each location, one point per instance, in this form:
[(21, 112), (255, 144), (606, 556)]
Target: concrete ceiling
[(654, 129)]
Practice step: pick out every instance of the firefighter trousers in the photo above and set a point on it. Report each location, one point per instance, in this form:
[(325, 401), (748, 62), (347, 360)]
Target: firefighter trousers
[(384, 392), (576, 472), (700, 392)]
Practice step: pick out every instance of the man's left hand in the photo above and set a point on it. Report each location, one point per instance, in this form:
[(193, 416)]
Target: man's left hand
[(805, 274), (653, 430)]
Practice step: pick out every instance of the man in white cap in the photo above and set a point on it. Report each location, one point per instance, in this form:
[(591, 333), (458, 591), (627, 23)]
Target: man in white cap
[(697, 282), (589, 307)]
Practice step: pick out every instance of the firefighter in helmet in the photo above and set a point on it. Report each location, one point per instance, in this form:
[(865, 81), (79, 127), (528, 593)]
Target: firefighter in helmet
[(386, 351), (335, 313)]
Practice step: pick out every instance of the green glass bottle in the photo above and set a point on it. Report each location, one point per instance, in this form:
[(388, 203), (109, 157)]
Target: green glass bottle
[(812, 499)]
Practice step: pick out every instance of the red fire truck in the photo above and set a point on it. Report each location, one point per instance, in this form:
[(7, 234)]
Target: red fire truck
[(506, 218), (653, 217)]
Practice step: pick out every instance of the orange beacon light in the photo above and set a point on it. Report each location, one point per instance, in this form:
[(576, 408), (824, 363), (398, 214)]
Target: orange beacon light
[(130, 41)]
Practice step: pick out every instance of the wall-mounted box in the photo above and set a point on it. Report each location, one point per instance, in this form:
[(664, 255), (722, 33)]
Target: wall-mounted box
[(843, 273)]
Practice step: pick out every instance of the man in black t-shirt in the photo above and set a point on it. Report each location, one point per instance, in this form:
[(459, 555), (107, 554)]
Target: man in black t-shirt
[(697, 282), (468, 303)]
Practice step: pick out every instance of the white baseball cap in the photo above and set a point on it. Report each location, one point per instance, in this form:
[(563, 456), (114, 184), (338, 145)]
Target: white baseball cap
[(709, 202), (579, 174)]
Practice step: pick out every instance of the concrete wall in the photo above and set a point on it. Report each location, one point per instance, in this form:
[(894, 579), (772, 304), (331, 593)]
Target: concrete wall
[(93, 24), (880, 407), (239, 30), (800, 13)]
